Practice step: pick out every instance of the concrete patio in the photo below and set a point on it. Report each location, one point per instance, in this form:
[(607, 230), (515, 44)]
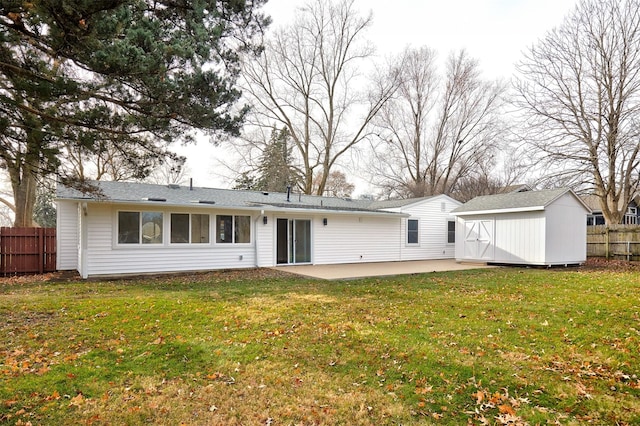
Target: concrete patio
[(361, 270)]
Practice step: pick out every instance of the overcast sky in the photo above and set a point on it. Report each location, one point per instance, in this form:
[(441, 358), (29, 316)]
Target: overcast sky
[(495, 32)]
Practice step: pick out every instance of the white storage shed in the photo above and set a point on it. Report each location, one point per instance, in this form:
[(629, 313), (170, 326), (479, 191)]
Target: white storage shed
[(524, 228)]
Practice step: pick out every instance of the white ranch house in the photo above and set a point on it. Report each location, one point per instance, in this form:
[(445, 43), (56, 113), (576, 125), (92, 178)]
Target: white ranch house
[(136, 228)]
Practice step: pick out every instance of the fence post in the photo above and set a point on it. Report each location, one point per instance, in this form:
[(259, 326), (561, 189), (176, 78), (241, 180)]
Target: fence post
[(40, 242), (606, 242)]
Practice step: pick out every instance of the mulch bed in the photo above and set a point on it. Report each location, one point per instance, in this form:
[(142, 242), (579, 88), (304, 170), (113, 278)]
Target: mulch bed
[(600, 263), (593, 263), (215, 276)]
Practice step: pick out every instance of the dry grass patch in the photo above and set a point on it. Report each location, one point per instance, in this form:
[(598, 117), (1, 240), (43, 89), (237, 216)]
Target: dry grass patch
[(500, 346)]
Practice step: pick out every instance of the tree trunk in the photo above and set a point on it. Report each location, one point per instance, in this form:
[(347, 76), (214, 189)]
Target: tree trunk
[(23, 172), (25, 198)]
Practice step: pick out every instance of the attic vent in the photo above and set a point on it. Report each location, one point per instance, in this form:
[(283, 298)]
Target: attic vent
[(265, 193), (174, 186), (154, 199), (206, 202)]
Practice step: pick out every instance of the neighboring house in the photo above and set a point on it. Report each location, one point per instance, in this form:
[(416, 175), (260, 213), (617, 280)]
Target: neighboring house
[(631, 217), (133, 228), (525, 228)]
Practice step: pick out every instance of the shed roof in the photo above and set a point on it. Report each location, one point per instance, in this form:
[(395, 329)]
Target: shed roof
[(514, 201)]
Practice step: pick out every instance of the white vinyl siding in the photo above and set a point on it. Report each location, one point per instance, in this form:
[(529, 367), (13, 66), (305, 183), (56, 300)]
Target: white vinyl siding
[(106, 257), (433, 214), (566, 234), (353, 239), (528, 247), (68, 234), (265, 240)]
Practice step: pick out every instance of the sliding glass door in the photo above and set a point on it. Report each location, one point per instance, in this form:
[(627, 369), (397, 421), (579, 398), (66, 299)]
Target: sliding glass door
[(293, 241)]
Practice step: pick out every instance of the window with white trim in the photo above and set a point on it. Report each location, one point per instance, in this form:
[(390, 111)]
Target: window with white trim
[(451, 231), (189, 228), (412, 231), (140, 227), (233, 229)]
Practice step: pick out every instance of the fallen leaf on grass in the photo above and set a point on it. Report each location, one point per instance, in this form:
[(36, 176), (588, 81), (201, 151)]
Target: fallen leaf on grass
[(478, 396), (511, 420), (506, 409), (77, 400), (54, 396)]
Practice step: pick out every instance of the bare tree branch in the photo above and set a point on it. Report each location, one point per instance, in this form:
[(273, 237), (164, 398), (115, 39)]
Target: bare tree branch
[(308, 82), (437, 129), (579, 89)]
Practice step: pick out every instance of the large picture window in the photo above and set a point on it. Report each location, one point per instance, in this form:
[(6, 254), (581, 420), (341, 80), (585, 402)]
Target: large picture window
[(151, 228), (233, 229), (200, 229), (128, 227), (412, 231), (139, 227), (184, 225), (179, 228)]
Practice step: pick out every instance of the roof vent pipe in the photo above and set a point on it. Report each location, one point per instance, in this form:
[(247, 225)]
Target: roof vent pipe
[(190, 184), (288, 193)]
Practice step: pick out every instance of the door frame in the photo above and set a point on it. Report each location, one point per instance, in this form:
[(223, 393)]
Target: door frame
[(291, 240), (479, 239)]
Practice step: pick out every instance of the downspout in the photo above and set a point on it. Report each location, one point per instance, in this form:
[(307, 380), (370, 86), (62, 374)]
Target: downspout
[(84, 238), (255, 239)]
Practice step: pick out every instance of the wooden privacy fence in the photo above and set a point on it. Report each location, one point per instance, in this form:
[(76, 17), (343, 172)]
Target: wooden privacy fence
[(614, 241), (27, 250)]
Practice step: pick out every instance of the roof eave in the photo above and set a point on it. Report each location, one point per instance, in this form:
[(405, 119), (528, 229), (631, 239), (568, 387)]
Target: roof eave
[(495, 211), (258, 207)]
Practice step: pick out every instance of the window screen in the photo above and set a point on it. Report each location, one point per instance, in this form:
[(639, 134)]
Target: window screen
[(412, 231)]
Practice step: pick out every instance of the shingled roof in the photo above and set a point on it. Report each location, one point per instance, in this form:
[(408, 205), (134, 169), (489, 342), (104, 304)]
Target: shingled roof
[(514, 201), (176, 195)]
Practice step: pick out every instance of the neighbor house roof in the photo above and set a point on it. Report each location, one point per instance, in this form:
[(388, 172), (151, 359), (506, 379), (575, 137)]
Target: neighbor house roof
[(175, 195), (394, 204), (514, 201), (521, 187), (593, 201)]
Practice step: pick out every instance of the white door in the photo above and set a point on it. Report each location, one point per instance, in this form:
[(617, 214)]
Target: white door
[(478, 239)]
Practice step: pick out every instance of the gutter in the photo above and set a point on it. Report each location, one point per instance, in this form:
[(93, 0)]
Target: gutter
[(494, 211), (256, 208)]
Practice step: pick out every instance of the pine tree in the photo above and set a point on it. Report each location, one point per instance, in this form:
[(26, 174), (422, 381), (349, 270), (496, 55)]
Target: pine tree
[(129, 73), (275, 171)]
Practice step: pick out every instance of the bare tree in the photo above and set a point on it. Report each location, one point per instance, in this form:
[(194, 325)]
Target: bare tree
[(108, 160), (491, 178), (336, 185), (172, 171), (437, 129), (308, 81), (580, 90)]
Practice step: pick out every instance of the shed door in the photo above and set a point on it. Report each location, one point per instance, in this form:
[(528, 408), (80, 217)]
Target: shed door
[(478, 239)]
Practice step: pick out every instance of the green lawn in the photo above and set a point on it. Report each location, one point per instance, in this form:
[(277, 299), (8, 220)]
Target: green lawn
[(499, 346)]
